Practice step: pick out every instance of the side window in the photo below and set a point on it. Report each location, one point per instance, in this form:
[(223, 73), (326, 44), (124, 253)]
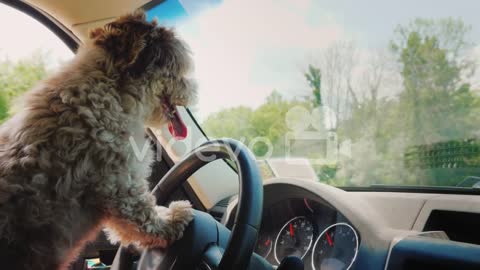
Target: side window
[(29, 52)]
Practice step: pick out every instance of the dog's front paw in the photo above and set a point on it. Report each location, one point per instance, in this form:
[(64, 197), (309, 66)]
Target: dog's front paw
[(181, 214)]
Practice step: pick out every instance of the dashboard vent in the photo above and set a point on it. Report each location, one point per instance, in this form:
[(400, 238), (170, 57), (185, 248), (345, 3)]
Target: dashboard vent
[(224, 202), (217, 215), (219, 209)]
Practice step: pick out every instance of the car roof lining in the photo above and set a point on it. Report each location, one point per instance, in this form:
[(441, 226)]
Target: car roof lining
[(81, 15)]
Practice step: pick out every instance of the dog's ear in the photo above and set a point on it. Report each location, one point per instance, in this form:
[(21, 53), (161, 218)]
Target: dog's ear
[(124, 39)]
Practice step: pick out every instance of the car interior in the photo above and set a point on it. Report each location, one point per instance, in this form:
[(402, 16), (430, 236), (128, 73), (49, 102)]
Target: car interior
[(254, 213)]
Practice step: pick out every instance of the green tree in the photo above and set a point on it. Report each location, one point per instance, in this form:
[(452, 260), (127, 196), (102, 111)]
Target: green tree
[(314, 79), (3, 107), (436, 98), (232, 122), (246, 124), (436, 105), (18, 77)]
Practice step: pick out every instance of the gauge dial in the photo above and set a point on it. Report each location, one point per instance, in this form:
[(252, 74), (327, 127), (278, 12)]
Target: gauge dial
[(336, 248), (295, 238), (264, 246)]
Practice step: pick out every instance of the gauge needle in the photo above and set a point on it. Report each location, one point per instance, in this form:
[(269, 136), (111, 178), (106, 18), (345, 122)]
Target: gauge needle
[(292, 233), (267, 243), (329, 239)]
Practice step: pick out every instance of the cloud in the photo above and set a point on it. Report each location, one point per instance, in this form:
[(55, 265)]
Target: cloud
[(245, 49)]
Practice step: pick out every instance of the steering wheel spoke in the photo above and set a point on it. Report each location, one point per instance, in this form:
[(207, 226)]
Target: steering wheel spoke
[(212, 257)]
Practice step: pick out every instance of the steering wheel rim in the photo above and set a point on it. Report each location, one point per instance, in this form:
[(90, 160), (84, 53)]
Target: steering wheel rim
[(242, 240), (250, 186)]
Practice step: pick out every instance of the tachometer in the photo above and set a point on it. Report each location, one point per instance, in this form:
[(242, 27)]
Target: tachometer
[(336, 248), (264, 246), (295, 238)]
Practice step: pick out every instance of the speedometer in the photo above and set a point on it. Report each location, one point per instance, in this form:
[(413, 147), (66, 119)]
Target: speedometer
[(295, 238), (336, 248)]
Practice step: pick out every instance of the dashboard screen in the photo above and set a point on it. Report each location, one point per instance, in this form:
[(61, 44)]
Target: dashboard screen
[(459, 226)]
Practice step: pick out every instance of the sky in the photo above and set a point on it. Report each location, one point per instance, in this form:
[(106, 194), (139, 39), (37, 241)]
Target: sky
[(21, 36), (244, 49)]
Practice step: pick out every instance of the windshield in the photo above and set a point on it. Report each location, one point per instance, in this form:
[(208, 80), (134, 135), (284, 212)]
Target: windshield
[(361, 92)]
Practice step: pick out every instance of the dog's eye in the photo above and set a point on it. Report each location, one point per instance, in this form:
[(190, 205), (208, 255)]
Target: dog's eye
[(110, 26), (116, 26)]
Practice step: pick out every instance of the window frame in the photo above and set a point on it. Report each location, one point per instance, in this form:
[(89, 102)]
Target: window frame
[(65, 35)]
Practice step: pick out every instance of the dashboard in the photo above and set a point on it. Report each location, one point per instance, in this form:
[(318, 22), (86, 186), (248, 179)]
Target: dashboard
[(310, 230), (332, 229), (296, 223)]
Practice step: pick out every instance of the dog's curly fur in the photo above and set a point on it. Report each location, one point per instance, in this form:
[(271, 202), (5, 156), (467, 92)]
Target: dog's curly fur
[(67, 167)]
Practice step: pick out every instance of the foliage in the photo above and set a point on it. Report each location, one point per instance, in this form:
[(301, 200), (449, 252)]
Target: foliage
[(451, 35), (248, 125), (436, 105), (314, 78), (433, 92), (3, 107), (327, 173), (18, 77), (232, 122)]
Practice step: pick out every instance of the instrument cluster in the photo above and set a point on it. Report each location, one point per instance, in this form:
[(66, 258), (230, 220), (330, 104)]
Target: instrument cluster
[(310, 230)]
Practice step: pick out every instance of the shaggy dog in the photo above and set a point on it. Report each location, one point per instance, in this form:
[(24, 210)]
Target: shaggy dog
[(67, 165)]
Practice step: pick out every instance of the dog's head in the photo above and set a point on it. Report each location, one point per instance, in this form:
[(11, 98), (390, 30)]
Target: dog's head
[(153, 59)]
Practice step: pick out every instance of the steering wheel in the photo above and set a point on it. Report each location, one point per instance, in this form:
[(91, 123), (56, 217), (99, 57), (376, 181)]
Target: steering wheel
[(206, 243)]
